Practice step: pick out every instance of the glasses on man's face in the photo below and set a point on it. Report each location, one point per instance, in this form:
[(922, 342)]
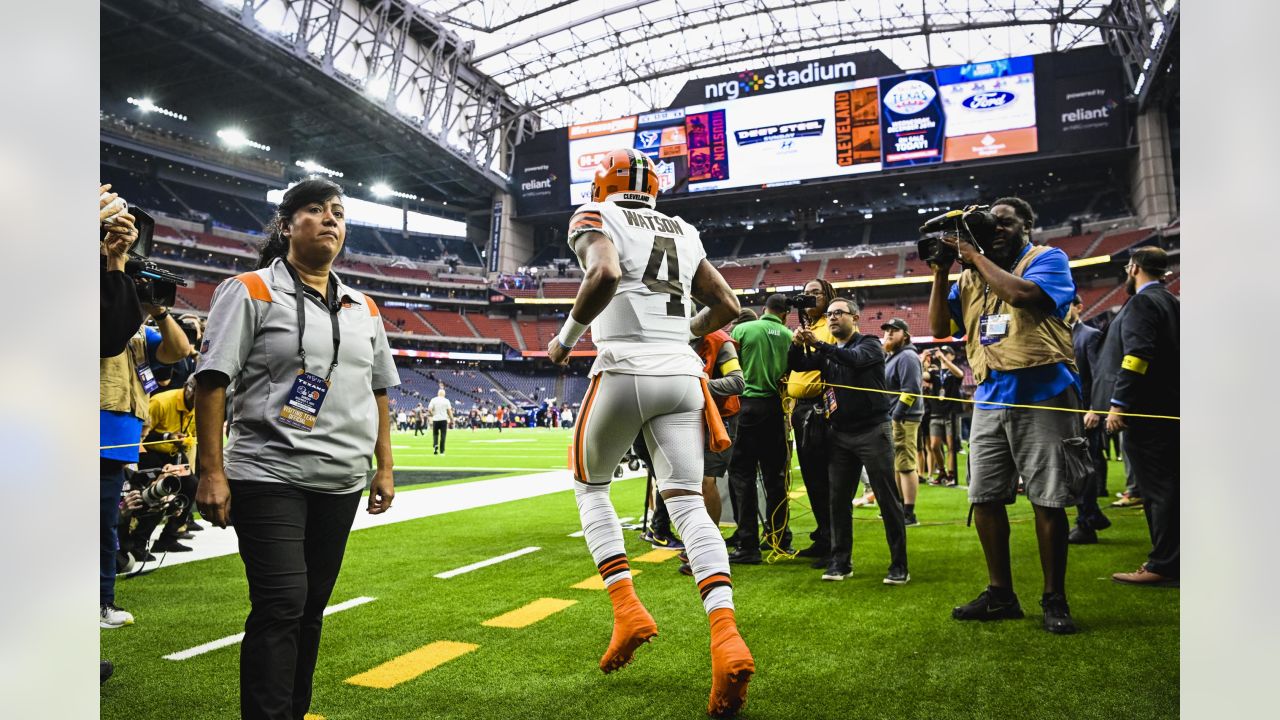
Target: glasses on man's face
[(835, 314)]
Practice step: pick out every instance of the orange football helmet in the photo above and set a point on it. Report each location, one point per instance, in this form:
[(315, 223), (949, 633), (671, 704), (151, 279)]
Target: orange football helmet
[(626, 175)]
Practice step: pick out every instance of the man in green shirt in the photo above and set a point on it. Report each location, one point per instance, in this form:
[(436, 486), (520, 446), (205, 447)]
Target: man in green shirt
[(761, 441)]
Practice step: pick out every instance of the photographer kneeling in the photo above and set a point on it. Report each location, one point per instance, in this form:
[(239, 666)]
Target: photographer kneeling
[(1010, 305), (857, 434)]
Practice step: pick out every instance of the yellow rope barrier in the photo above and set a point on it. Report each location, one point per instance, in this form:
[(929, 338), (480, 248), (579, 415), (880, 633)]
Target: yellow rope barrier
[(984, 402)]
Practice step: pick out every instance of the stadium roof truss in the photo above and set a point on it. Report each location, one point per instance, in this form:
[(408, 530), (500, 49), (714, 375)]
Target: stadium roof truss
[(573, 61)]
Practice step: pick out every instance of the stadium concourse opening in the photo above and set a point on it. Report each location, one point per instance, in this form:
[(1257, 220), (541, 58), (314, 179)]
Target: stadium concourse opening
[(784, 145)]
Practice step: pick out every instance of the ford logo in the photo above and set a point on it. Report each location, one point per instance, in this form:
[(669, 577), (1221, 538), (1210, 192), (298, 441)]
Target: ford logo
[(909, 97), (988, 100)]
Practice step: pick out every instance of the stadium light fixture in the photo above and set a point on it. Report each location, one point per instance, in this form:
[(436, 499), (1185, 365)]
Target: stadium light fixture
[(146, 106), (235, 138), (867, 216), (316, 168), (380, 190)]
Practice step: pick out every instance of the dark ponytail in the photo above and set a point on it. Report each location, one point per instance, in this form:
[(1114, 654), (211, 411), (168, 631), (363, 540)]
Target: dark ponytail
[(311, 190)]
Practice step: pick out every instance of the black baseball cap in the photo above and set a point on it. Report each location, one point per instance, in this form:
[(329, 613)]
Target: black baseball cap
[(896, 324)]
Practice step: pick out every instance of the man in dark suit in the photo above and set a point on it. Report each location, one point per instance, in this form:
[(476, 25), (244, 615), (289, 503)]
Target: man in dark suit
[(1087, 343), (1137, 372)]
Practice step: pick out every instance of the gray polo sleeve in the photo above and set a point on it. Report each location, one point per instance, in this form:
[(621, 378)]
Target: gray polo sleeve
[(228, 335), (385, 374)]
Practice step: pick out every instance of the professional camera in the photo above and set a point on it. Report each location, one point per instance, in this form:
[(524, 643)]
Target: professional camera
[(801, 303), (160, 489), (975, 224), (156, 286)]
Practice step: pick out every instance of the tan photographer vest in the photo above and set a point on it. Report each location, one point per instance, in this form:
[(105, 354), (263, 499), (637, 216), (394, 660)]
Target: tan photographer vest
[(1034, 337), (119, 388)]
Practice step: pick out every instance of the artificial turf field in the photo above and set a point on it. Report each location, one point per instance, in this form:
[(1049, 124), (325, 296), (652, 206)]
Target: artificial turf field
[(856, 648)]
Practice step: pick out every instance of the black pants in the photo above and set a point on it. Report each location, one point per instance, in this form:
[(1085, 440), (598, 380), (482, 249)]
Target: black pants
[(110, 483), (291, 542), (761, 443), (848, 452), (1153, 449), (1088, 512), (439, 428), (808, 428)]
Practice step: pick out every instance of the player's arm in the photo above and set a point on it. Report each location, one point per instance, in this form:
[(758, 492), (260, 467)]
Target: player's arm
[(720, 303), (603, 271)]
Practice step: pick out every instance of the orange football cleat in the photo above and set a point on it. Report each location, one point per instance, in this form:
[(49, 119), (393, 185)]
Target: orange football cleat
[(731, 666), (633, 626)]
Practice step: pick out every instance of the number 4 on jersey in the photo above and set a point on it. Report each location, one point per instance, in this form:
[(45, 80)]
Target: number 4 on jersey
[(665, 247)]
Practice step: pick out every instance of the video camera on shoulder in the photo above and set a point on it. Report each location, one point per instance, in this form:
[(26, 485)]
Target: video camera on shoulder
[(975, 224), (156, 286)]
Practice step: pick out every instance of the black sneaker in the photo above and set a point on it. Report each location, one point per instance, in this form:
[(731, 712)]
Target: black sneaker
[(192, 526), (142, 556), (819, 564), (686, 569), (745, 557), (987, 607), (105, 670), (837, 571), (911, 520), (169, 546), (1082, 536), (1057, 616), (897, 576), (815, 551)]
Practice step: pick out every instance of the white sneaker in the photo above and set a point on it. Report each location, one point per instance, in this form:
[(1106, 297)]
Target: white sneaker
[(110, 616)]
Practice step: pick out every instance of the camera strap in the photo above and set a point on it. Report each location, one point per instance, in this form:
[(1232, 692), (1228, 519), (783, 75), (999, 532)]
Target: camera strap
[(331, 305)]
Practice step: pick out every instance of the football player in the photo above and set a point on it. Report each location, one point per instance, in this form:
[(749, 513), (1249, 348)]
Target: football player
[(643, 270)]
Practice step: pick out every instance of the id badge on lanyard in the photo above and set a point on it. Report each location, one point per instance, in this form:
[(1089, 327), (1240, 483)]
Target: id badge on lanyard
[(302, 405), (146, 377), (993, 328)]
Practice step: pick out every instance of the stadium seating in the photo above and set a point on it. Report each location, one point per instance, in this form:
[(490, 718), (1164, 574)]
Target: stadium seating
[(791, 273), (527, 386), (496, 327), (1075, 246), (560, 288), (447, 323), (862, 268), (1117, 240), (740, 277), (407, 321)]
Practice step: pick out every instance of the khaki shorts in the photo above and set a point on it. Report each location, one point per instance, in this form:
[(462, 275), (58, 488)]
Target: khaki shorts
[(904, 445), (1043, 447)]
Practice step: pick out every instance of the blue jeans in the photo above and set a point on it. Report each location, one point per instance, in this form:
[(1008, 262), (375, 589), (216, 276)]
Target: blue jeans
[(111, 482)]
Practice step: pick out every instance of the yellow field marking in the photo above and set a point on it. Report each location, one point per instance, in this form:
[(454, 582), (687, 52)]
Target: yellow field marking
[(657, 556), (412, 664), (595, 582), (312, 716), (529, 614)]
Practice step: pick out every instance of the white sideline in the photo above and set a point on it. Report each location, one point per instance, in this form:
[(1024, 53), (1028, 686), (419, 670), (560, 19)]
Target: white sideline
[(410, 504), (486, 563), (233, 639)]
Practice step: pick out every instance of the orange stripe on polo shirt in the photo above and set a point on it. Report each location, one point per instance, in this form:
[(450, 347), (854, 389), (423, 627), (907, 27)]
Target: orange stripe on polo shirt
[(256, 286)]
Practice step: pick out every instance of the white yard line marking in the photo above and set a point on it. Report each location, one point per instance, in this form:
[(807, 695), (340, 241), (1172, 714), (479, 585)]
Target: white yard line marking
[(621, 521), (486, 563), (233, 639)]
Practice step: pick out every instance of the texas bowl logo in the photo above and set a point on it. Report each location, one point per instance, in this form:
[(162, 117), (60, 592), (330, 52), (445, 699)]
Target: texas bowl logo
[(988, 100), (909, 97)]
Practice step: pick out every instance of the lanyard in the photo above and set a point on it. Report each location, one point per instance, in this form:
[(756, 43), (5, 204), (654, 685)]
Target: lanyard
[(331, 305)]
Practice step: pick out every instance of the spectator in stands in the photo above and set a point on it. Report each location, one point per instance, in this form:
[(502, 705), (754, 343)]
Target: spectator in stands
[(1010, 304), (297, 460), (1086, 342), (1138, 372), (858, 435), (902, 372), (804, 392), (761, 437)]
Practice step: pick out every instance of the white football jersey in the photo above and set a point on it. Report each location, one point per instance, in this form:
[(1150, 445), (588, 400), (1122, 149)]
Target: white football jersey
[(645, 328)]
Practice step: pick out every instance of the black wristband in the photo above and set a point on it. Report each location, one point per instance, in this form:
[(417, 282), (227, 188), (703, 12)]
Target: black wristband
[(161, 316)]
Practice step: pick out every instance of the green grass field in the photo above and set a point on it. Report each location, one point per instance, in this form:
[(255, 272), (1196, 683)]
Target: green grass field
[(823, 650)]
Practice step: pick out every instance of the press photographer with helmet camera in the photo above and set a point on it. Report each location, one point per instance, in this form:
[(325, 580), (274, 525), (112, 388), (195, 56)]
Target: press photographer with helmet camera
[(1010, 305)]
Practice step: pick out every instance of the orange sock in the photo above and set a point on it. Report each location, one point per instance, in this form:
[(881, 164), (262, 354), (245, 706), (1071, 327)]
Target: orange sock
[(633, 626), (731, 666)]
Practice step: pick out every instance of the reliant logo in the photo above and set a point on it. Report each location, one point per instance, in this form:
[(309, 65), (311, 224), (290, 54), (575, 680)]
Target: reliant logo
[(988, 100), (909, 97), (755, 80), (1087, 114), (543, 184)]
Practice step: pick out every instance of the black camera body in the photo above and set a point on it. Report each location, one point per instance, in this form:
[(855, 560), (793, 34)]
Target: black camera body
[(155, 285), (159, 490), (802, 302), (975, 224)]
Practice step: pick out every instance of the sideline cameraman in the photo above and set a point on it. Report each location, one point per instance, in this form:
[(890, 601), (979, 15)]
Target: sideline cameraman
[(857, 435), (1010, 304), (805, 388), (124, 379), (172, 419)]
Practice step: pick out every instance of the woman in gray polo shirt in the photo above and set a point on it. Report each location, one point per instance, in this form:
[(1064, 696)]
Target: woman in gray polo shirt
[(308, 363)]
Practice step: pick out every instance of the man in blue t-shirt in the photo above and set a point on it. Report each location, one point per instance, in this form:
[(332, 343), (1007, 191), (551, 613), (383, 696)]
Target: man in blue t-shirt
[(1010, 305)]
